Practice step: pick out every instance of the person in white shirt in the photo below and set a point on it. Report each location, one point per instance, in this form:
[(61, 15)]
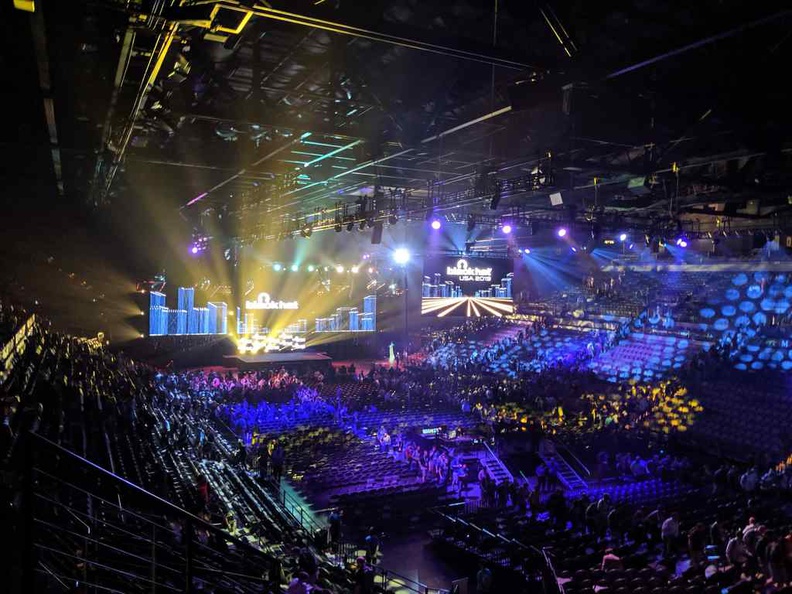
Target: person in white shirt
[(670, 533), (736, 551)]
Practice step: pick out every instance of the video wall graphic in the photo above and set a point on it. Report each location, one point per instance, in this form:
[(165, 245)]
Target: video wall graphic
[(343, 319), (299, 307), (186, 318), (467, 287)]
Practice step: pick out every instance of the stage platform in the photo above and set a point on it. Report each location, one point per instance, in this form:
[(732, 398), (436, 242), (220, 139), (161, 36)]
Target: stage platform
[(265, 360)]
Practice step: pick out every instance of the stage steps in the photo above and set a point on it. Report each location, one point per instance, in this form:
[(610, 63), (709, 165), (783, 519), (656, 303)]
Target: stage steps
[(495, 468), (566, 474)]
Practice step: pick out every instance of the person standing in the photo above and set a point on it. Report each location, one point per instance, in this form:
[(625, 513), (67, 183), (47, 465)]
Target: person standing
[(484, 580), (278, 459), (669, 532), (334, 529), (372, 543)]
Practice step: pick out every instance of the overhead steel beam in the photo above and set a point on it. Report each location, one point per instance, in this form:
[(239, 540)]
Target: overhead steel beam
[(296, 125), (38, 29), (244, 171), (121, 69), (476, 53), (700, 43)]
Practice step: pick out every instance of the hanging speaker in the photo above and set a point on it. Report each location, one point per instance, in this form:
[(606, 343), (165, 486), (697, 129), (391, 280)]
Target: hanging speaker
[(376, 233)]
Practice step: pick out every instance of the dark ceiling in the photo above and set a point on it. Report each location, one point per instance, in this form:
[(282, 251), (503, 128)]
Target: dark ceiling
[(278, 113)]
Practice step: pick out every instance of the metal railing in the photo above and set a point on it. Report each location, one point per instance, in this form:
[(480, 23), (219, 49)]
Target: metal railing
[(296, 508), (579, 462), (75, 532)]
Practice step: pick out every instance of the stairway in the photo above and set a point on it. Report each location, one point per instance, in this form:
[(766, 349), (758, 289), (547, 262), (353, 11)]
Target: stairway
[(566, 474), (495, 468)]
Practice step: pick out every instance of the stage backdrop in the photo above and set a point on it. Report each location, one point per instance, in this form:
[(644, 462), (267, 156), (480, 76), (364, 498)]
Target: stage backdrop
[(467, 287)]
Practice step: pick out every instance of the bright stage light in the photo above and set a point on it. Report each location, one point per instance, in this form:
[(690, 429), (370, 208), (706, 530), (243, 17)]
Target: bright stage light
[(355, 270), (526, 251), (561, 232), (194, 250), (371, 270), (311, 268), (401, 256), (506, 229), (339, 269), (436, 224), (295, 268), (277, 267), (682, 242), (623, 237)]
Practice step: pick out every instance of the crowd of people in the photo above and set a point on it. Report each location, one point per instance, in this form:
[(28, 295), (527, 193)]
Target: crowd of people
[(561, 399)]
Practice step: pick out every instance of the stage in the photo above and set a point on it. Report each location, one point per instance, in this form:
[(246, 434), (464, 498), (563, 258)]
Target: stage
[(270, 360)]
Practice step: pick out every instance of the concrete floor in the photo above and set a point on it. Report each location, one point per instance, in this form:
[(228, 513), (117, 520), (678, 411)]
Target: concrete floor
[(413, 557)]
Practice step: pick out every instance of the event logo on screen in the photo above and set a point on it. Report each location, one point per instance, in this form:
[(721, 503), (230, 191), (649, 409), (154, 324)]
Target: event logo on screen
[(264, 301), (464, 272), (468, 287)]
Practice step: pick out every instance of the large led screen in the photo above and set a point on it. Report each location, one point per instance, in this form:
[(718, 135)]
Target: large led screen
[(467, 287), (187, 318), (288, 309)]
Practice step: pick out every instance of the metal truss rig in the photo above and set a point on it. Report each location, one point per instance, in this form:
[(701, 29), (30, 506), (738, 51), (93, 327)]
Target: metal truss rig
[(368, 211)]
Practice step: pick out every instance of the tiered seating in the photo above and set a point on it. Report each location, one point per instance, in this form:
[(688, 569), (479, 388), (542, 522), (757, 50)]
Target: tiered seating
[(637, 493), (743, 418), (537, 350), (326, 463), (644, 356), (403, 420)]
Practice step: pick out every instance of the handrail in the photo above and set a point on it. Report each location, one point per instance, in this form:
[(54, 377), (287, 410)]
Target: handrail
[(175, 509), (410, 584), (551, 569), (578, 460), (499, 461)]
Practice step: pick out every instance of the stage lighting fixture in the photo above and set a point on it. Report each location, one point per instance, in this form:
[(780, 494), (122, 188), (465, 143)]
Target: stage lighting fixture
[(561, 232), (339, 269), (623, 237), (526, 251), (506, 229), (393, 219), (355, 270), (277, 267), (295, 268), (401, 256), (436, 224), (194, 250), (362, 226), (311, 268), (371, 270), (682, 242), (337, 227), (350, 225)]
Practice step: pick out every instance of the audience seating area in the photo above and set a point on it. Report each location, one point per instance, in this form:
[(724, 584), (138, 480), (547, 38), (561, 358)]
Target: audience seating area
[(179, 482)]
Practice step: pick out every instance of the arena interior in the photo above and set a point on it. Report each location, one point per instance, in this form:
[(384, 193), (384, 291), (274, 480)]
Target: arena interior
[(448, 297)]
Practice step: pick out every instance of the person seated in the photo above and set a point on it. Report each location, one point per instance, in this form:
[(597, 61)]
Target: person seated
[(611, 560)]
